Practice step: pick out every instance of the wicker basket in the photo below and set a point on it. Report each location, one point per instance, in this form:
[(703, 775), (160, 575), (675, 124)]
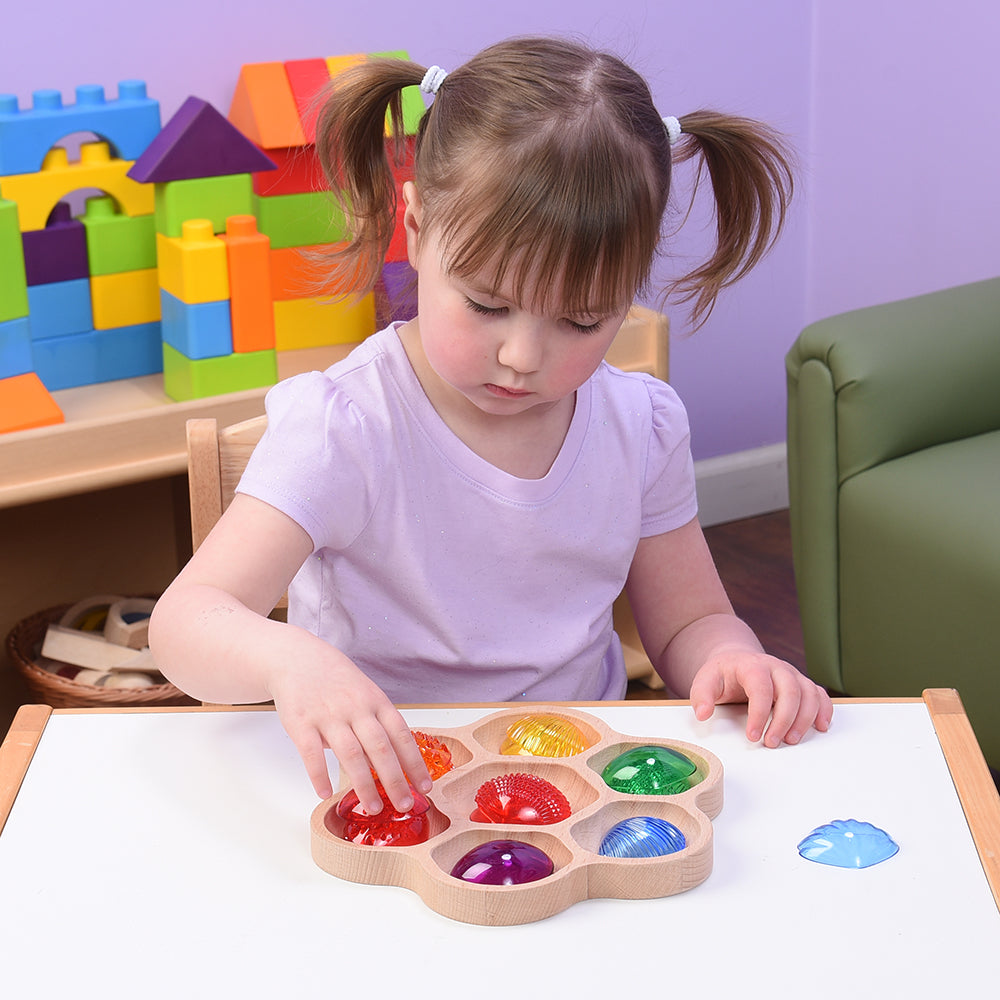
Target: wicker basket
[(23, 643)]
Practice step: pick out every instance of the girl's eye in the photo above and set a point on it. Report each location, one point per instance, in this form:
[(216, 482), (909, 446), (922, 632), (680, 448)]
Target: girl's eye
[(586, 328), (478, 307)]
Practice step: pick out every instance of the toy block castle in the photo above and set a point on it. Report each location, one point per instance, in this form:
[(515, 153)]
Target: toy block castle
[(202, 255)]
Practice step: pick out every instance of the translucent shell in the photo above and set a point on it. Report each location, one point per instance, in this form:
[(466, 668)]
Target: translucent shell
[(848, 843), (543, 736), (650, 770), (642, 837), (387, 828), (503, 862), (520, 798), (436, 755)]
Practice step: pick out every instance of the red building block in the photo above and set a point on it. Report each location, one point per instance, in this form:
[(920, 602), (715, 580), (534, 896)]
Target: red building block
[(308, 78), (298, 172)]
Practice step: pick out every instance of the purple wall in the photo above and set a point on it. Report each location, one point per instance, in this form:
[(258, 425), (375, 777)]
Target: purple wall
[(857, 92)]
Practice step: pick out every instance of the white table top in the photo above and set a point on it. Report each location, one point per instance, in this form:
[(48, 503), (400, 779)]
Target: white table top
[(167, 855)]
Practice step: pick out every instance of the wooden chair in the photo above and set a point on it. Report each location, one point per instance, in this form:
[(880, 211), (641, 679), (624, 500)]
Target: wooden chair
[(216, 459)]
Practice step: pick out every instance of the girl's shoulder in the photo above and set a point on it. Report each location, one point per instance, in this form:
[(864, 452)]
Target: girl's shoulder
[(640, 396)]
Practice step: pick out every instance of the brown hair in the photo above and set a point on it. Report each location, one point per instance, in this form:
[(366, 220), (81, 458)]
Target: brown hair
[(541, 156)]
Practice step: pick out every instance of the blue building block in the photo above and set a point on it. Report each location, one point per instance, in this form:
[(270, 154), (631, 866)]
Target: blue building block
[(15, 347), (196, 330), (98, 356), (60, 308), (129, 351), (65, 362), (129, 123)]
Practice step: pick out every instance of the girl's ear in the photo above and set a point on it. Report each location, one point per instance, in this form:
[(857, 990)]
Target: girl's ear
[(412, 214)]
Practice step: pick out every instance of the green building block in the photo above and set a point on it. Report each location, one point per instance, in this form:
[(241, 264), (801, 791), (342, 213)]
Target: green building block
[(299, 220), (187, 379), (13, 284), (116, 242), (214, 198), (413, 101)]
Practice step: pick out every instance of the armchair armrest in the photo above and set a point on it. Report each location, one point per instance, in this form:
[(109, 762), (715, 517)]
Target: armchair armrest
[(866, 387)]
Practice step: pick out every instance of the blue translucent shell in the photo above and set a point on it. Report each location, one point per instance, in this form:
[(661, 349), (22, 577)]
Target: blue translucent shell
[(848, 843), (642, 837)]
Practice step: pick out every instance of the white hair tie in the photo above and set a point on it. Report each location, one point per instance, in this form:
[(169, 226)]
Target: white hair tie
[(433, 79), (673, 127)]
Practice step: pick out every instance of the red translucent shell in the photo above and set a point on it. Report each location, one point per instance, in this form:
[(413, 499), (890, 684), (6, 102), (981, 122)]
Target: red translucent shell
[(520, 798), (436, 755), (387, 828)]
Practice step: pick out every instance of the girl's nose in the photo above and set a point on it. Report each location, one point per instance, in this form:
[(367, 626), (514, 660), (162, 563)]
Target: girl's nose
[(521, 349)]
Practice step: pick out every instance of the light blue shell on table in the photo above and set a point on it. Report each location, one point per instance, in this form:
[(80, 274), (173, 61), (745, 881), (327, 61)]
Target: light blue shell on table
[(848, 843)]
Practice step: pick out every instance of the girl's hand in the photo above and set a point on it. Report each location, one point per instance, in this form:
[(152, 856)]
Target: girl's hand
[(327, 702), (771, 688)]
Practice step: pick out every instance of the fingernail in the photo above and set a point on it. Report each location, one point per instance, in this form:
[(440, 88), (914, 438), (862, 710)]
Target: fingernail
[(793, 737), (405, 805)]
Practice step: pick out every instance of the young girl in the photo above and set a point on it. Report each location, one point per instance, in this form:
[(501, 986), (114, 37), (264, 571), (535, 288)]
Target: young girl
[(455, 506)]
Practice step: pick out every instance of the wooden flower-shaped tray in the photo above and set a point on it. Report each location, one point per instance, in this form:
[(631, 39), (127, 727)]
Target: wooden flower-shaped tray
[(572, 844)]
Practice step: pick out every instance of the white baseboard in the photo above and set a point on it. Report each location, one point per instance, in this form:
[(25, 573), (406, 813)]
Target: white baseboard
[(743, 484)]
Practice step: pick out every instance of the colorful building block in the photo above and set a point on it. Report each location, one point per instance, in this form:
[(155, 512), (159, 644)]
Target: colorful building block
[(413, 101), (117, 242), (13, 280), (248, 254), (395, 293), (212, 198), (129, 298), (187, 379), (60, 308), (297, 171), (264, 108), (37, 193), (308, 79), (193, 267), (128, 123), (198, 141), (15, 347), (196, 330), (26, 403), (300, 272), (98, 356), (297, 220), (319, 322), (59, 251)]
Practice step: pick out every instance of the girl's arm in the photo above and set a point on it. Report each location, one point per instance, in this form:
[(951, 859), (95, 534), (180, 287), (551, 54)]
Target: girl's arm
[(210, 635), (704, 652)]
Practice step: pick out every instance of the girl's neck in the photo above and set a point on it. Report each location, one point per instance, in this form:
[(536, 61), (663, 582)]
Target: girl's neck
[(523, 445)]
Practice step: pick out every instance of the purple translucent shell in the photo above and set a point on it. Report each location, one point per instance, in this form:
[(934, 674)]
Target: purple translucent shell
[(503, 862)]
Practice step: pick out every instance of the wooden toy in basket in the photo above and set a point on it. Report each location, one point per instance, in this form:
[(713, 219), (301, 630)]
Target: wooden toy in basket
[(593, 831)]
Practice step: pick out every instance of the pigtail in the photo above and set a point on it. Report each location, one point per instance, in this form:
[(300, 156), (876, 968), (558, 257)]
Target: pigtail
[(353, 152), (748, 166)]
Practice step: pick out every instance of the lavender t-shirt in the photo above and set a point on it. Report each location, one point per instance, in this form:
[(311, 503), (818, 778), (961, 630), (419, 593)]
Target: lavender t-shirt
[(444, 578)]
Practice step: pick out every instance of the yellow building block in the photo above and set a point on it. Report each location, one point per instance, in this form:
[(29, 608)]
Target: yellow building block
[(318, 322), (193, 266), (37, 194), (125, 299)]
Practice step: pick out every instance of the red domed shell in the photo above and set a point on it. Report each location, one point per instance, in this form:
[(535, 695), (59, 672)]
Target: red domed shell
[(520, 798)]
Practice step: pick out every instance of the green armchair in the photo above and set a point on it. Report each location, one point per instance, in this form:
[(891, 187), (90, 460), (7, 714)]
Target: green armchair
[(894, 490)]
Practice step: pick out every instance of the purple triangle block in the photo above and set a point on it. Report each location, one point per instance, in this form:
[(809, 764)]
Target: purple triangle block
[(198, 142)]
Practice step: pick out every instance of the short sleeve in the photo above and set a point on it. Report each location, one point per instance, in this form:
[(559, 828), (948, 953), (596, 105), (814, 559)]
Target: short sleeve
[(316, 461), (669, 499)]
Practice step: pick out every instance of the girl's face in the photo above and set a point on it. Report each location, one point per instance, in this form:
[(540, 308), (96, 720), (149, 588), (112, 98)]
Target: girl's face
[(503, 356)]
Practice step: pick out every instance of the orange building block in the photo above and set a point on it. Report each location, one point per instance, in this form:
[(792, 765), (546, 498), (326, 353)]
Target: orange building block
[(296, 273), (249, 255), (264, 109), (25, 403)]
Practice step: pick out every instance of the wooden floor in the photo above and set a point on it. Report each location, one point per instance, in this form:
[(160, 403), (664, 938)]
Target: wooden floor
[(754, 559)]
